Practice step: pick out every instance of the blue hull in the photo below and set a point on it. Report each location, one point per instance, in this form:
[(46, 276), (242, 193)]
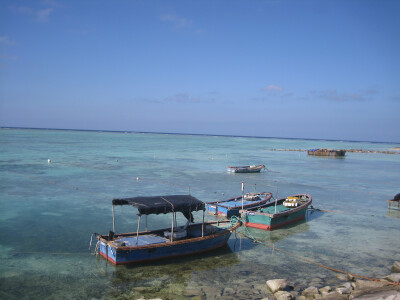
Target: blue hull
[(162, 250), (232, 207)]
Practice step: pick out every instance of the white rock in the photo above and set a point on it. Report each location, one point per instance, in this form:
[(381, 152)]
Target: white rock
[(277, 285), (343, 290), (325, 289), (310, 291), (282, 295), (346, 285)]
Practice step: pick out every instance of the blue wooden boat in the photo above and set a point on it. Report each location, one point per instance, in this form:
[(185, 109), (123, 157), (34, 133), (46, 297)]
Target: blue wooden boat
[(277, 213), (231, 207), (134, 247), (246, 169)]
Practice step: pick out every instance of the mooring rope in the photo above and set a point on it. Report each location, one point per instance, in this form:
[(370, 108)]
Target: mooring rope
[(250, 236)]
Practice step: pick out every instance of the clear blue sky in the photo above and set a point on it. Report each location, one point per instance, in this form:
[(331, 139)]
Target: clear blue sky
[(300, 69)]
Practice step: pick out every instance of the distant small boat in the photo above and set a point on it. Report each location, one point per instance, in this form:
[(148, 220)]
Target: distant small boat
[(246, 169), (278, 213), (135, 247), (395, 202), (326, 152), (231, 207)]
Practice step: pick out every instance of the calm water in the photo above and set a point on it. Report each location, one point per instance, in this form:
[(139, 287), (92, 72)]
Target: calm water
[(49, 211)]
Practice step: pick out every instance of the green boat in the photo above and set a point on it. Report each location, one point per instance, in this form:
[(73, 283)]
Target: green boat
[(278, 213)]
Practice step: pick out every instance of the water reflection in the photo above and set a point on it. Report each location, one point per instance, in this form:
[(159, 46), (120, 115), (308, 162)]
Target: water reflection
[(165, 279), (393, 213), (277, 235)]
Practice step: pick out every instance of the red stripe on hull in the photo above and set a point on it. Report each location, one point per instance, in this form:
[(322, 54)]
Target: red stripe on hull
[(269, 227), (257, 225), (159, 258), (108, 258)]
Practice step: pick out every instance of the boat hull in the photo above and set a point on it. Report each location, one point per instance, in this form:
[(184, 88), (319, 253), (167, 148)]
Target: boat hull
[(268, 219), (268, 223), (246, 169), (162, 250)]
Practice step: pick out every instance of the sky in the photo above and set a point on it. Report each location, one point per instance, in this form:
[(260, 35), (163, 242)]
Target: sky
[(315, 69)]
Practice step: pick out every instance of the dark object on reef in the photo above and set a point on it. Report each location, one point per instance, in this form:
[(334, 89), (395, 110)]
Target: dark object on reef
[(327, 152), (395, 202)]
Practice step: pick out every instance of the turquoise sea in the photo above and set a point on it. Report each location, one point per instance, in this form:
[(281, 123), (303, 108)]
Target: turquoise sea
[(48, 212)]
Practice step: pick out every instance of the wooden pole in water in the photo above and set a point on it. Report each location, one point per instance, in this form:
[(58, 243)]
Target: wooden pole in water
[(113, 219)]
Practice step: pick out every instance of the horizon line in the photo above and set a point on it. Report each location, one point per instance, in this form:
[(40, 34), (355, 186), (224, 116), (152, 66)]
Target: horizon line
[(196, 134)]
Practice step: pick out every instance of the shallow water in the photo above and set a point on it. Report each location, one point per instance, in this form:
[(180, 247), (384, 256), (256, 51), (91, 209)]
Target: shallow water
[(49, 211)]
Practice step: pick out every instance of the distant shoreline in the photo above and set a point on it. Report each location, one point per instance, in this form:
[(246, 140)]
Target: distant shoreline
[(350, 150), (197, 134)]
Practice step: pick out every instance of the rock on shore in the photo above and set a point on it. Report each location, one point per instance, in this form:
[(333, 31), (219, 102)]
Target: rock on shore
[(387, 288)]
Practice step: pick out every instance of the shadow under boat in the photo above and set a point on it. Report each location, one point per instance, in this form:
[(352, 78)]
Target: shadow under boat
[(166, 280), (277, 235), (392, 213)]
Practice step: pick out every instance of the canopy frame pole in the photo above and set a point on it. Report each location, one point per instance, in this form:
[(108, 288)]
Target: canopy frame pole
[(172, 227), (242, 194), (202, 226), (113, 219), (137, 231), (146, 222)]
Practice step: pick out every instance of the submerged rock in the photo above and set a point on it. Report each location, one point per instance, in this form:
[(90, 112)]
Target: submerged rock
[(277, 285), (395, 277), (341, 277), (366, 284), (396, 267)]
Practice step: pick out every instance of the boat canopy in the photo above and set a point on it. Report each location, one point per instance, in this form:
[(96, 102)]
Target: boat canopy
[(163, 204)]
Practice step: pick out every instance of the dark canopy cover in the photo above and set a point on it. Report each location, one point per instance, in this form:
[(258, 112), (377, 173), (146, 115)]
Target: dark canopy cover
[(163, 204)]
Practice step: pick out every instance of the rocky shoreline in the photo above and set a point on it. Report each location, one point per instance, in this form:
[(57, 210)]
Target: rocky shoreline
[(396, 150), (387, 288), (347, 287)]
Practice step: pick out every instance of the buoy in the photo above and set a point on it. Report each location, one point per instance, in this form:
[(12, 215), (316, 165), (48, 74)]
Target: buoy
[(49, 161)]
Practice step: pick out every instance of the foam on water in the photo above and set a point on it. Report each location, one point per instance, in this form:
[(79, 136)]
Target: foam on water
[(49, 211)]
